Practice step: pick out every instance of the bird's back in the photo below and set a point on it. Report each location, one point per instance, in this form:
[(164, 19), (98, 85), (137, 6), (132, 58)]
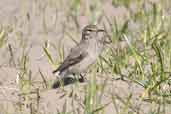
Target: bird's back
[(76, 55)]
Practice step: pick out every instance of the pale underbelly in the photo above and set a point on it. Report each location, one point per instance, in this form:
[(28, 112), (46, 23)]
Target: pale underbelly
[(83, 65)]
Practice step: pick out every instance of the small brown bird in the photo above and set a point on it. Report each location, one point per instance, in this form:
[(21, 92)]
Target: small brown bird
[(84, 53)]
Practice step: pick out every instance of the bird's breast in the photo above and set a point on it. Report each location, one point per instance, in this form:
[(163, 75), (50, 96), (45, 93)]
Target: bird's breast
[(93, 51)]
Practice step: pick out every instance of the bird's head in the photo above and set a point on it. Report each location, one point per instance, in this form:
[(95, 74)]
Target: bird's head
[(90, 32), (93, 32)]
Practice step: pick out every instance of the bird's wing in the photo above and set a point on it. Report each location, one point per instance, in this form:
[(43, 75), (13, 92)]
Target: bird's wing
[(76, 55)]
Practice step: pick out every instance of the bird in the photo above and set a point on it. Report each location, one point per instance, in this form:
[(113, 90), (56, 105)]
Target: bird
[(84, 54)]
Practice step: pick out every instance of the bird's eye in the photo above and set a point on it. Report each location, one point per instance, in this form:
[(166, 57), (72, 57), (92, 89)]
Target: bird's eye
[(90, 30), (101, 30)]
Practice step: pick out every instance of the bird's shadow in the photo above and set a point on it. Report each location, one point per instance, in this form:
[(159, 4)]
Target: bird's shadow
[(66, 81)]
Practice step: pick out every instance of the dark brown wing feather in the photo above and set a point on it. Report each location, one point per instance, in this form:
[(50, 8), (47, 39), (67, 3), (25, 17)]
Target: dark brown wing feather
[(76, 55)]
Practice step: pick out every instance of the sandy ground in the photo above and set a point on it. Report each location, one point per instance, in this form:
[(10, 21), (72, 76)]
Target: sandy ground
[(32, 23)]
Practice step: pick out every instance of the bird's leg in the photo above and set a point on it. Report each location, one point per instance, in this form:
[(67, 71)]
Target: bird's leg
[(74, 76), (82, 78)]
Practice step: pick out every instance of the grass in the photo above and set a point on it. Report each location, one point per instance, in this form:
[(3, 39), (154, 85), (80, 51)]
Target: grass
[(138, 57)]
